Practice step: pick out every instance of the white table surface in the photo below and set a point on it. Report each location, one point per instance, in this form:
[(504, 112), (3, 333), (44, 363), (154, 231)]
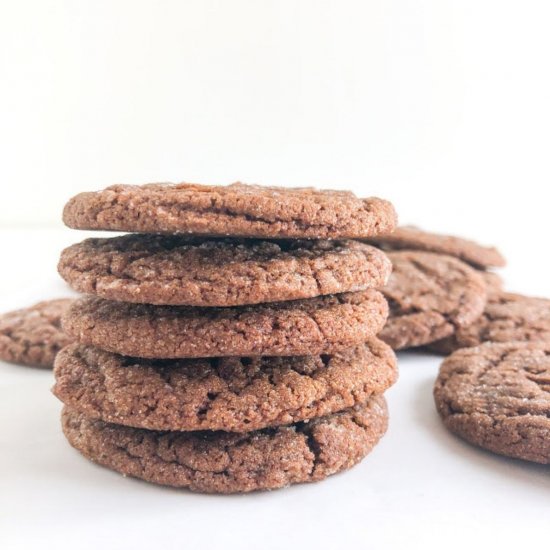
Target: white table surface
[(420, 488)]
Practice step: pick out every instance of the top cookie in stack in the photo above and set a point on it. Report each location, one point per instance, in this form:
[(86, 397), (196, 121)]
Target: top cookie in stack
[(242, 273)]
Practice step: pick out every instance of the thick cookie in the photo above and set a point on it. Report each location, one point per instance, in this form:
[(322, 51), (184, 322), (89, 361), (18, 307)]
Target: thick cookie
[(174, 270), (412, 238), (430, 296), (238, 210), (507, 317), (303, 327), (237, 394), (220, 462), (497, 396), (33, 336)]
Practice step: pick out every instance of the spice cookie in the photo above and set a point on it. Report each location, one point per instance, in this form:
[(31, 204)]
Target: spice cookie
[(302, 327), (220, 462), (430, 295), (493, 281), (237, 394), (411, 238), (507, 317), (497, 396), (238, 210), (33, 336), (176, 270)]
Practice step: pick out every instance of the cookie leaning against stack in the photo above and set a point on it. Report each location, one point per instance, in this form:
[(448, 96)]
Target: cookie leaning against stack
[(211, 358)]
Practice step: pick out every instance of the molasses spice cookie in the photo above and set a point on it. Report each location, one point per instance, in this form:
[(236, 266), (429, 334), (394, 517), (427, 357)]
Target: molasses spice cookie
[(33, 336), (220, 462), (430, 295), (237, 394), (412, 238), (238, 210), (497, 396), (507, 317), (301, 327), (175, 270)]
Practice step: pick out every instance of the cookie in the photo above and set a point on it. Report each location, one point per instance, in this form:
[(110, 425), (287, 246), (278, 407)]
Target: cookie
[(411, 238), (220, 462), (238, 210), (33, 336), (302, 327), (493, 281), (237, 394), (507, 317), (497, 396), (175, 270), (430, 296)]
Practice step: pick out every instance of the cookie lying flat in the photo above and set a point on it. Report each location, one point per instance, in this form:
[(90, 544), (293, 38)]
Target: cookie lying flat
[(497, 396), (302, 327), (175, 270), (33, 336), (237, 210), (231, 393), (219, 462), (430, 296), (507, 317), (412, 238)]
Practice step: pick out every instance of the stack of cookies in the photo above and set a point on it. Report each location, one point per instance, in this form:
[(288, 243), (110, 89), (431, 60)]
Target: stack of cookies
[(228, 344)]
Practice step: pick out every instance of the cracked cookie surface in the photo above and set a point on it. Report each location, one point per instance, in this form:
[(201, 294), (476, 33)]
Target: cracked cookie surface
[(302, 327), (507, 317), (220, 462), (429, 296), (412, 238), (239, 210), (33, 336), (497, 396), (177, 270), (236, 394)]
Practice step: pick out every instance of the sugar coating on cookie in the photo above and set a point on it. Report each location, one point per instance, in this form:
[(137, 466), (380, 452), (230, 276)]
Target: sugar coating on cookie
[(318, 325), (32, 335), (176, 270), (430, 296), (238, 210), (237, 394), (497, 396), (220, 462), (507, 317), (412, 238)]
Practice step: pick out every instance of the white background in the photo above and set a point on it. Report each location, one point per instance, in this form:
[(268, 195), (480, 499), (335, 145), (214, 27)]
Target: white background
[(441, 106)]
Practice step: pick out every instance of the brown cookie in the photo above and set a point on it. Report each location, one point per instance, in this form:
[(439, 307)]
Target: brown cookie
[(302, 327), (411, 238), (507, 317), (237, 394), (175, 270), (33, 336), (220, 462), (238, 210), (497, 396), (430, 296), (493, 281)]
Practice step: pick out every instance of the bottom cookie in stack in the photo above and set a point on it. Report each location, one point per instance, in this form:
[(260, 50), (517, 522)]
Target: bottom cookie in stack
[(222, 462), (227, 424)]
